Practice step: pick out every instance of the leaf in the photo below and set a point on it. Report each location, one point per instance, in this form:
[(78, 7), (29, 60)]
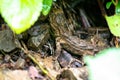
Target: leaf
[(20, 15), (117, 8), (105, 65), (114, 24), (46, 6), (108, 4)]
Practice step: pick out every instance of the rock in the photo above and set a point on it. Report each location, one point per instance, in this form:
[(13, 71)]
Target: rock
[(39, 35), (7, 41)]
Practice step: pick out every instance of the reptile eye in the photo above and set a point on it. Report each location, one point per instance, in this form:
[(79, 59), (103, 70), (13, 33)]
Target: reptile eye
[(75, 64)]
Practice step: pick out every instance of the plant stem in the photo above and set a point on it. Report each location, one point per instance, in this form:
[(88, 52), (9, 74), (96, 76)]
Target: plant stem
[(100, 3)]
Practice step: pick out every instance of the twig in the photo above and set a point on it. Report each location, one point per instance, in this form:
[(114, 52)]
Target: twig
[(24, 48), (102, 8)]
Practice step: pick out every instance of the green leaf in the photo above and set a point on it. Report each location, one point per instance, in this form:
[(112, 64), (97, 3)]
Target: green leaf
[(105, 65), (114, 24), (20, 15), (117, 8), (108, 4), (46, 6)]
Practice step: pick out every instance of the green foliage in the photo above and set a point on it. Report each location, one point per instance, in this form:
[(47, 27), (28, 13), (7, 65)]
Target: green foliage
[(114, 21), (46, 7), (108, 4), (105, 65), (20, 15), (114, 24), (117, 8)]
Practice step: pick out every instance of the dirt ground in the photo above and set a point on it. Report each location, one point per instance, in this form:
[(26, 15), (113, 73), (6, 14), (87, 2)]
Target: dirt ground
[(54, 47)]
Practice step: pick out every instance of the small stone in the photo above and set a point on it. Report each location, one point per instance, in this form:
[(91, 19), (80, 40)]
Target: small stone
[(39, 36), (20, 63), (7, 41)]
